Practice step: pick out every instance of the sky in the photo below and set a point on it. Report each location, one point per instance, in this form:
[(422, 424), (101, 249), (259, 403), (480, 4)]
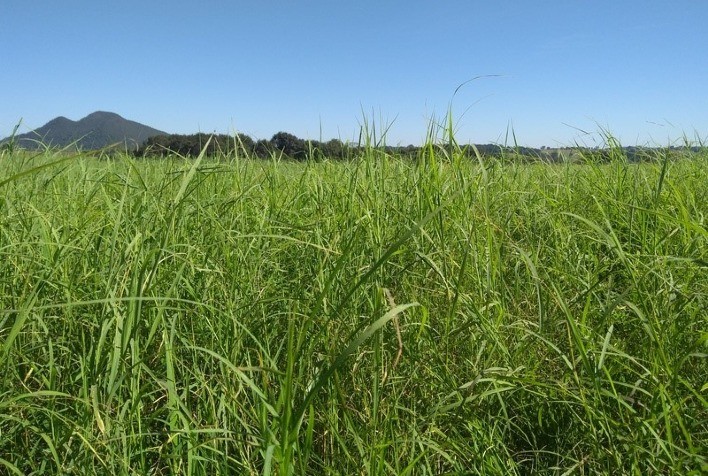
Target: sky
[(548, 73)]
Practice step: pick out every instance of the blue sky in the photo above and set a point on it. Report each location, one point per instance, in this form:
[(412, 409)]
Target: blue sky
[(566, 69)]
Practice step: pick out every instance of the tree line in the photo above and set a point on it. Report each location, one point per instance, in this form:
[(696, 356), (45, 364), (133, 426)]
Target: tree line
[(286, 145), (281, 144), (289, 146)]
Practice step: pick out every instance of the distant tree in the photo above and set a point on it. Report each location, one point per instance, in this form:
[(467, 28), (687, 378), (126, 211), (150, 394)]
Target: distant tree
[(290, 145), (244, 143), (262, 149), (333, 149), (193, 144), (409, 151)]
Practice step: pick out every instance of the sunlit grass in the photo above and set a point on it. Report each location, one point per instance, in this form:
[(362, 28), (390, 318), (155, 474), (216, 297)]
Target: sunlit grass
[(374, 316)]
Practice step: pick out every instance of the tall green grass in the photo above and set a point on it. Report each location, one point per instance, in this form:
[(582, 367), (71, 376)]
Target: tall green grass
[(375, 316)]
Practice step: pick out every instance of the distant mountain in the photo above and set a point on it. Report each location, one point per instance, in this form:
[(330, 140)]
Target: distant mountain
[(95, 131)]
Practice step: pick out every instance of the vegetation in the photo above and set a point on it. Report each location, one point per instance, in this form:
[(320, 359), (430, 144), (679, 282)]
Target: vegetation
[(372, 316), (288, 146), (107, 133), (283, 144)]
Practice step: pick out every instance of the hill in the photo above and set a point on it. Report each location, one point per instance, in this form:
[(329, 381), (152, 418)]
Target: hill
[(95, 131)]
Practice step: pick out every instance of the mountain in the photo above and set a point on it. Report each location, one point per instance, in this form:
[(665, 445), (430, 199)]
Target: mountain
[(95, 131)]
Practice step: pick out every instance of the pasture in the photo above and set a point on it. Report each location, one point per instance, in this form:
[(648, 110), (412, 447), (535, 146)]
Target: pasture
[(370, 316)]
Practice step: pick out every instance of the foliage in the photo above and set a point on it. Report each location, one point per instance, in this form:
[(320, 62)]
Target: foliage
[(282, 144), (374, 316), (192, 145)]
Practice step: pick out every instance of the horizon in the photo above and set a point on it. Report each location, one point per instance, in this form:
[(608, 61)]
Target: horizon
[(440, 140), (549, 74)]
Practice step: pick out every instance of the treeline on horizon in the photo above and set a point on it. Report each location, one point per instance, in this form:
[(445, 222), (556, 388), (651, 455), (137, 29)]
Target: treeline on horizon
[(289, 146)]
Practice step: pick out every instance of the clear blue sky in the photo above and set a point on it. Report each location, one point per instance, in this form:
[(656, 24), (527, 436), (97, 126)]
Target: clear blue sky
[(316, 68)]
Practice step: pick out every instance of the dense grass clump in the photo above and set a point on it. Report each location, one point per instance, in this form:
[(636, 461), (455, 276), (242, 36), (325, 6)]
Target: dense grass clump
[(375, 316)]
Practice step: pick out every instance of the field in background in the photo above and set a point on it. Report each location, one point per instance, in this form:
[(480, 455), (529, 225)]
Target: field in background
[(373, 316)]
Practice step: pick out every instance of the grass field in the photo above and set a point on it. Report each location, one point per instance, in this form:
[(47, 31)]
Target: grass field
[(374, 316)]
